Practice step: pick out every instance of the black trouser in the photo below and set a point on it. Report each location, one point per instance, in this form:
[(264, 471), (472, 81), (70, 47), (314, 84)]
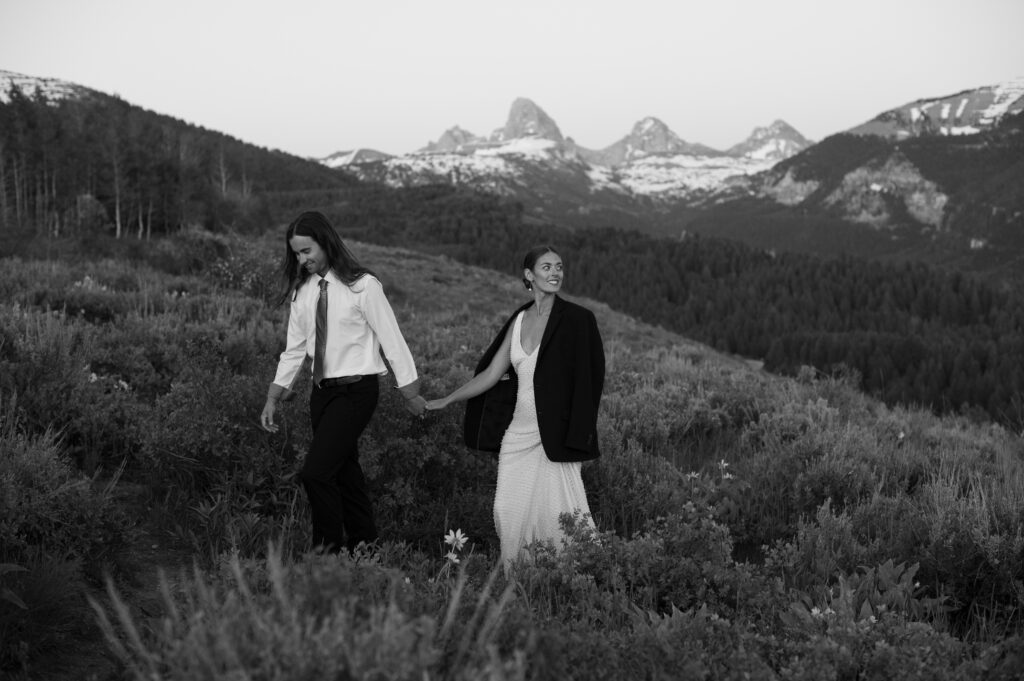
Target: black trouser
[(334, 482)]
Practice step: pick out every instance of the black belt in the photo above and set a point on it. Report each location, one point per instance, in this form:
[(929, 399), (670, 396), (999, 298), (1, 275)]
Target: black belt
[(341, 380)]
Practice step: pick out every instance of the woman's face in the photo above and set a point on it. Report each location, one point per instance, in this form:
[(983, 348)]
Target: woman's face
[(309, 254), (546, 274)]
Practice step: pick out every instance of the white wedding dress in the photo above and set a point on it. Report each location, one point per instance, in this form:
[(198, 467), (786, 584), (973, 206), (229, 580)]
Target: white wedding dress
[(532, 491)]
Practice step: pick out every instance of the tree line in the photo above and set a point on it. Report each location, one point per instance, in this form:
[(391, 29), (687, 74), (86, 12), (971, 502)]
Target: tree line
[(98, 164)]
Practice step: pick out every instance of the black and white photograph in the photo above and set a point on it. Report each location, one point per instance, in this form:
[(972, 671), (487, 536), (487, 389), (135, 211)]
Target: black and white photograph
[(537, 341)]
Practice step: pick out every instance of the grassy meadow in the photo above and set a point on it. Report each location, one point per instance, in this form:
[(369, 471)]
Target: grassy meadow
[(748, 526)]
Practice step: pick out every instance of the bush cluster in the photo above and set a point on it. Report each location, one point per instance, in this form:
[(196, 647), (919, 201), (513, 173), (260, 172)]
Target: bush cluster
[(745, 526), (58, 532)]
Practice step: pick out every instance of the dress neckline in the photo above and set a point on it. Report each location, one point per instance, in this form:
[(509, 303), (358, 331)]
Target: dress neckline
[(519, 323)]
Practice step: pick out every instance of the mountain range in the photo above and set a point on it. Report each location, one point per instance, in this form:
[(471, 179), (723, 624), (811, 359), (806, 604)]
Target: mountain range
[(530, 151), (939, 178)]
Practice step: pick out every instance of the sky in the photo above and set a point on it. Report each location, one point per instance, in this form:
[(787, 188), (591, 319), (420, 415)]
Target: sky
[(313, 77)]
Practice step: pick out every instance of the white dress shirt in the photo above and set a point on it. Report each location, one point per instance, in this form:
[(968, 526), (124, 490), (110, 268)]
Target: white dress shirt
[(360, 322)]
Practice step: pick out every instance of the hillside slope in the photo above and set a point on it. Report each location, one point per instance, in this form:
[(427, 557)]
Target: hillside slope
[(705, 460)]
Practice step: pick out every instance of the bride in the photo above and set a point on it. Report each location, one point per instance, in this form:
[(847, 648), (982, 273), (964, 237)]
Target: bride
[(553, 349)]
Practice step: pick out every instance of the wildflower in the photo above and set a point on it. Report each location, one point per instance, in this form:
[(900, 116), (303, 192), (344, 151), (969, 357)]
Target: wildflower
[(452, 557), (455, 539), (728, 476), (692, 475)]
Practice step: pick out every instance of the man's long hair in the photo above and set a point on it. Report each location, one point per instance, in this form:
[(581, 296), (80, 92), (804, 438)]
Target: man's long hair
[(316, 226)]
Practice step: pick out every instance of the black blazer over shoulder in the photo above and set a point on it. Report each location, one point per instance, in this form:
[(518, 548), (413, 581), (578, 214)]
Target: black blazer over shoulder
[(567, 383)]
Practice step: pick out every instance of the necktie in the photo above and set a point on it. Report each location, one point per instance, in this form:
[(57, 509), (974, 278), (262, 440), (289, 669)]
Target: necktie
[(321, 334)]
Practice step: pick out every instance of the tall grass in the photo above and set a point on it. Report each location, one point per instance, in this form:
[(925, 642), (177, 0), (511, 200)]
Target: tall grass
[(325, 617)]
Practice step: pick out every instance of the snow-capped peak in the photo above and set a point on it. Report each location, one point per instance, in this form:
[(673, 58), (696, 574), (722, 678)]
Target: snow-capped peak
[(526, 119), (772, 142), (454, 140)]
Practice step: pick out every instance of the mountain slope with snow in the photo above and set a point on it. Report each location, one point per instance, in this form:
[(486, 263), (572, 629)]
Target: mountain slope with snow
[(31, 86), (962, 113)]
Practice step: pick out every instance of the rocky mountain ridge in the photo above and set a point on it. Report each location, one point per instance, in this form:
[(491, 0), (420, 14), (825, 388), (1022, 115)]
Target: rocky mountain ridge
[(891, 169), (950, 198), (531, 159)]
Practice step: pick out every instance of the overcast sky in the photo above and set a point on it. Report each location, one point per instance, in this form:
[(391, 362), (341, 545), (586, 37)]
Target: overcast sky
[(312, 77)]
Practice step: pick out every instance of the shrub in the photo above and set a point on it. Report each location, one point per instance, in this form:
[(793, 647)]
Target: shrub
[(56, 530), (49, 509), (821, 549), (190, 251), (248, 271), (837, 478), (45, 364), (890, 527), (208, 431), (628, 486), (972, 559), (683, 560)]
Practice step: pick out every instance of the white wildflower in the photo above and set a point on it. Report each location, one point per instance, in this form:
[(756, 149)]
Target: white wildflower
[(456, 539)]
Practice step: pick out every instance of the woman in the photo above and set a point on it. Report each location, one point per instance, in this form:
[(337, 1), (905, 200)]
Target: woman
[(339, 318), (554, 349)]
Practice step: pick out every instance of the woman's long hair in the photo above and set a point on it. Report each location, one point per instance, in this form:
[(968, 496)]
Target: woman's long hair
[(316, 226)]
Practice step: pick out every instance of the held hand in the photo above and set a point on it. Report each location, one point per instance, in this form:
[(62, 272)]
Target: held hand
[(267, 417), (415, 406), (434, 405)]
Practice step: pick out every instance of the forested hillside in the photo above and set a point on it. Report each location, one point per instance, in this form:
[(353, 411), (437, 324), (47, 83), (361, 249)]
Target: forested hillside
[(95, 163), (911, 333)]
